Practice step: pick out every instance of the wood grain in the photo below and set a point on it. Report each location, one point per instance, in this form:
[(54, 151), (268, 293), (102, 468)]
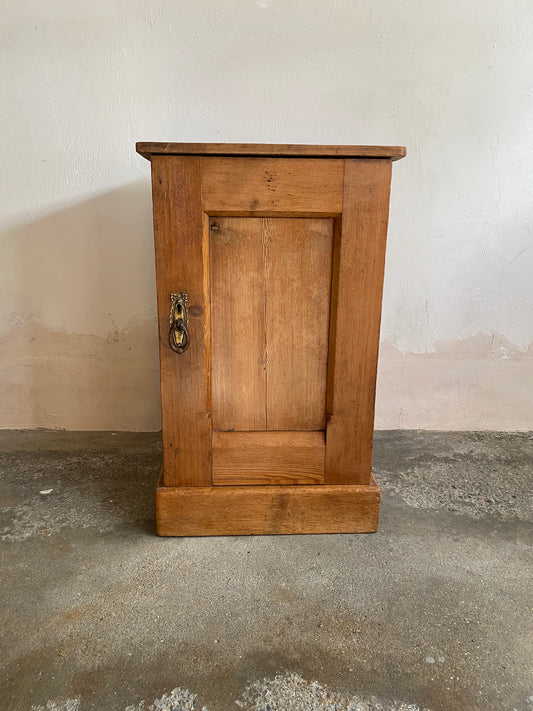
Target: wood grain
[(266, 510), (298, 279), (289, 242), (356, 322), (268, 458), (180, 266), (270, 284), (260, 149), (238, 327), (247, 186)]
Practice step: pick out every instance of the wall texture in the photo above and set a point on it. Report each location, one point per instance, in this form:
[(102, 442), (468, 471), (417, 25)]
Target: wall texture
[(81, 82)]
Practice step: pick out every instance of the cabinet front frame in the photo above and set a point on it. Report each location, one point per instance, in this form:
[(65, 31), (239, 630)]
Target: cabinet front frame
[(187, 192)]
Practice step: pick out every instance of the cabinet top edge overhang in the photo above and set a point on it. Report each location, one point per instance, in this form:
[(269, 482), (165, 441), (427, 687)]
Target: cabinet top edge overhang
[(264, 150)]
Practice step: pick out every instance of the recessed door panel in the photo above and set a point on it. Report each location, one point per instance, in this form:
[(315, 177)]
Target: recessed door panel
[(270, 301)]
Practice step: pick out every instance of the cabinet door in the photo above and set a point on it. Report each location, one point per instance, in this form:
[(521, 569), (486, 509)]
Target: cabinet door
[(282, 261)]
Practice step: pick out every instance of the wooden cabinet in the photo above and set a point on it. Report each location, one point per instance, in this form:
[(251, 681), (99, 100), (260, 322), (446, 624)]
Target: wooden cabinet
[(269, 264)]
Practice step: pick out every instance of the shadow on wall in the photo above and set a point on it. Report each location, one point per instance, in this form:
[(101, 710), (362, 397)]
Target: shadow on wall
[(78, 344)]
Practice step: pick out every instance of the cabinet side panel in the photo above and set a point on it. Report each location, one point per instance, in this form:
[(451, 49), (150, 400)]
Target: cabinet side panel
[(180, 265), (357, 321)]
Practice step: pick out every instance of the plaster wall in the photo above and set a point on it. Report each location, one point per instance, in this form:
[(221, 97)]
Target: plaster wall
[(81, 82)]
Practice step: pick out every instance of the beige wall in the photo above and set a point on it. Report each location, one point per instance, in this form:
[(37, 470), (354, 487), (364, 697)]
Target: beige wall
[(81, 82)]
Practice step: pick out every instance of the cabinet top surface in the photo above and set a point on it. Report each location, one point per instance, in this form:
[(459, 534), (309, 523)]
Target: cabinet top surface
[(147, 150)]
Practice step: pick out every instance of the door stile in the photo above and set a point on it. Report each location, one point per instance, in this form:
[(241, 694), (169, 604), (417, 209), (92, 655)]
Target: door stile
[(355, 337), (180, 267)]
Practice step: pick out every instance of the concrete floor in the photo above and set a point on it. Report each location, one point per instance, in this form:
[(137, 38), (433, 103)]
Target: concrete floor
[(433, 611)]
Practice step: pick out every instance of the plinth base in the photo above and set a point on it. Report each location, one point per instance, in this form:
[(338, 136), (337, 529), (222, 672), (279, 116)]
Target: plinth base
[(266, 510)]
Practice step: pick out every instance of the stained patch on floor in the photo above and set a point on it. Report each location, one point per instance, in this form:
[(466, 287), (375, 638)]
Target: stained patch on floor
[(289, 692), (59, 705), (285, 692), (175, 700)]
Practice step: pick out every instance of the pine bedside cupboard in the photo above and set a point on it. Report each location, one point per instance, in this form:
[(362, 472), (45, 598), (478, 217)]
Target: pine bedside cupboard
[(269, 267)]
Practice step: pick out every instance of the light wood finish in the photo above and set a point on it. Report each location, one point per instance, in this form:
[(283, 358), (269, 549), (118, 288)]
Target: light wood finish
[(270, 284), (281, 458), (147, 150), (355, 336), (298, 281), (238, 324), (260, 510), (248, 186), (180, 266), (281, 250)]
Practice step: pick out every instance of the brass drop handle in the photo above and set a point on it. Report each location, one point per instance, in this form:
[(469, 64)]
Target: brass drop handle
[(178, 337)]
